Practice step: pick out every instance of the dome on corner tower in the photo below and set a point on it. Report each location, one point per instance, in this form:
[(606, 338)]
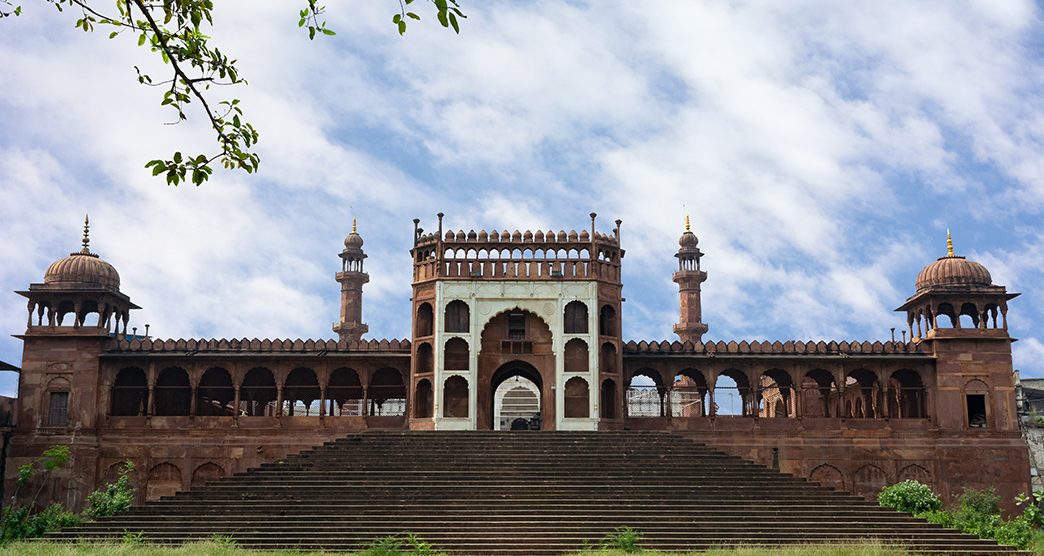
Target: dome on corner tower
[(83, 267), (953, 270)]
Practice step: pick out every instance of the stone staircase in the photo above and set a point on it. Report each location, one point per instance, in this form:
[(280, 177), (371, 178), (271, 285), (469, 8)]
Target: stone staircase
[(520, 493)]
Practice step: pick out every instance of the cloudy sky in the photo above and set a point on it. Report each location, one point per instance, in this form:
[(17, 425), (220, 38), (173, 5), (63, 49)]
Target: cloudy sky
[(822, 149)]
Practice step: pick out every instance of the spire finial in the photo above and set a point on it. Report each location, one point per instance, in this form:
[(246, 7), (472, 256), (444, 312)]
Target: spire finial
[(355, 227), (949, 244), (688, 226), (86, 235)]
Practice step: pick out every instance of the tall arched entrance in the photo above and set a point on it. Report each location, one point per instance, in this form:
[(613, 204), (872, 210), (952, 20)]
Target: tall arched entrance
[(517, 397), (516, 343)]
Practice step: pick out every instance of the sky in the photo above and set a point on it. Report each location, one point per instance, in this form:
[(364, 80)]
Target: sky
[(822, 150)]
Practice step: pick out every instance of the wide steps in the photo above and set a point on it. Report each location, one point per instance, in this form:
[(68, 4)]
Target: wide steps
[(531, 493)]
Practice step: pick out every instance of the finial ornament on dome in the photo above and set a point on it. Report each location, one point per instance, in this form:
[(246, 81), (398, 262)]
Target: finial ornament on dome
[(688, 226), (355, 227), (86, 250), (949, 244)]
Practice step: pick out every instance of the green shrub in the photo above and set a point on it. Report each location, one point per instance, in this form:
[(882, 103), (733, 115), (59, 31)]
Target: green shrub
[(112, 498), (985, 501), (20, 523), (1032, 510), (624, 539), (910, 496), (1014, 532), (394, 545), (24, 521)]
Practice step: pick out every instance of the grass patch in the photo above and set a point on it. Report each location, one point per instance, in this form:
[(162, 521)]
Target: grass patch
[(209, 548), (867, 549)]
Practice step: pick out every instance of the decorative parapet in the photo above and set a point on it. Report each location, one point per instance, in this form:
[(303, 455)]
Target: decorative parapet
[(258, 346), (790, 347), (517, 255)]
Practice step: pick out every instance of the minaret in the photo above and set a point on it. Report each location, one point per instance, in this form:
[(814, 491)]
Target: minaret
[(689, 277), (351, 278)]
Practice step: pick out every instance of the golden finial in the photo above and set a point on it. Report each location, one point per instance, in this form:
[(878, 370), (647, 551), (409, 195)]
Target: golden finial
[(86, 235), (688, 227), (355, 226), (949, 244)]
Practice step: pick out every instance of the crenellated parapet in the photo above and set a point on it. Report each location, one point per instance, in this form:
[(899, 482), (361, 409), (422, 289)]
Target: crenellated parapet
[(517, 255), (789, 347), (255, 345)]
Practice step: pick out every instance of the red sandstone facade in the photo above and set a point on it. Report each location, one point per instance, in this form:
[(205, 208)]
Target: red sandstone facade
[(509, 320)]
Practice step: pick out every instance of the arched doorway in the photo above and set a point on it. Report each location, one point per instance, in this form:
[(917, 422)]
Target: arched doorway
[(524, 384), (516, 405), (515, 343)]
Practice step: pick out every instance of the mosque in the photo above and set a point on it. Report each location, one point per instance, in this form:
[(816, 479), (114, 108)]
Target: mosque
[(519, 331)]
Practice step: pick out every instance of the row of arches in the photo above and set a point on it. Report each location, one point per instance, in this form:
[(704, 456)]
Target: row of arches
[(456, 396), (958, 315), (457, 356), (516, 254), (867, 480), (166, 478), (257, 394), (775, 393), (457, 319), (85, 312)]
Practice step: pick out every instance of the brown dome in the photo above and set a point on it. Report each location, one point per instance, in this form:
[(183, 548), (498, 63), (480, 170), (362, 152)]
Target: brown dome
[(83, 268), (952, 270)]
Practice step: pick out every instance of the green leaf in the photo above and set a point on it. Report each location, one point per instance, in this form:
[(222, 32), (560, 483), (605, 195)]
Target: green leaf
[(396, 18), (328, 31), (453, 22), (402, 27), (311, 33), (301, 22), (413, 15), (113, 34), (442, 18), (141, 39)]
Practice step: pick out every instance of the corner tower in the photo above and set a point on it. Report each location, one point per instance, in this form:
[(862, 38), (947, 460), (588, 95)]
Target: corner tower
[(961, 316), (689, 278), (351, 277), (74, 314), (516, 329)]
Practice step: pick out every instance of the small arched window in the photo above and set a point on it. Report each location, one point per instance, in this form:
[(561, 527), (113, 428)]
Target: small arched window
[(576, 356), (576, 318), (58, 402), (455, 397), (425, 358), (576, 398), (425, 318), (456, 355), (458, 316), (607, 321)]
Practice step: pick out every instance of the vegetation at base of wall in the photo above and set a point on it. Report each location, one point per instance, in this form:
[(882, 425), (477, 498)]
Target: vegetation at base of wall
[(112, 498), (20, 521), (911, 496), (26, 521), (977, 512)]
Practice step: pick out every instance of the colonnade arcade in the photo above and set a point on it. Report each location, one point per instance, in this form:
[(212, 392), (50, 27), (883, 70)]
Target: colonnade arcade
[(838, 390), (255, 389)]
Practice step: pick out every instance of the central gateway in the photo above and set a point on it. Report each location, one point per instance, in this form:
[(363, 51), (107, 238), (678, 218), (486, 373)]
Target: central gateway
[(493, 307)]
